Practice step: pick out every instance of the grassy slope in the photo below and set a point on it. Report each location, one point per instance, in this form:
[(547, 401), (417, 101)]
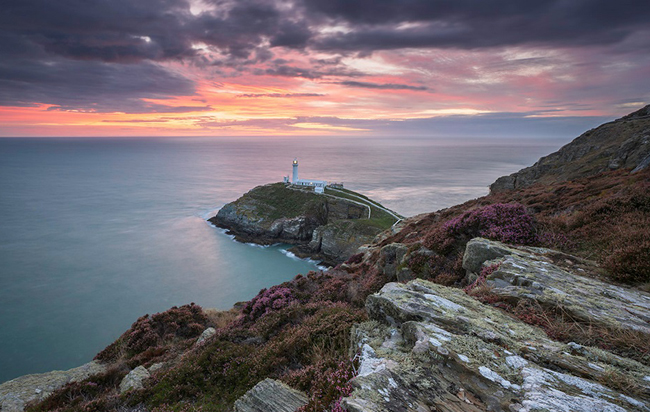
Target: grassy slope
[(378, 217)]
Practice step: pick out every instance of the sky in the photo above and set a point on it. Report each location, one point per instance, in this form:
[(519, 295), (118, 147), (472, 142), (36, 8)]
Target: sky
[(320, 67)]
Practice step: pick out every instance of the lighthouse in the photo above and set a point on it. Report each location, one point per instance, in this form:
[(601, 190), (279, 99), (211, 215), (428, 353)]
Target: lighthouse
[(295, 171)]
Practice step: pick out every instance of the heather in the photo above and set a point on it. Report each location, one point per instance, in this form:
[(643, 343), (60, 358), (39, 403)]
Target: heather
[(298, 332)]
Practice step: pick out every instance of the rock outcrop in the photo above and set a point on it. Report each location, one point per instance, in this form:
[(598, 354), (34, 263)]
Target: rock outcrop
[(433, 348), (529, 273), (324, 227), (16, 393), (271, 396), (621, 144)]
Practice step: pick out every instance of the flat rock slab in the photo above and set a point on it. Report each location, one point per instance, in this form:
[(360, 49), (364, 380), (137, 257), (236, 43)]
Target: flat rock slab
[(528, 273), (15, 393), (270, 396), (434, 348)]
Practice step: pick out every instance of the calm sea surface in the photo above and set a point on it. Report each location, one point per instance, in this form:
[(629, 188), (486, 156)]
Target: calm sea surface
[(97, 232)]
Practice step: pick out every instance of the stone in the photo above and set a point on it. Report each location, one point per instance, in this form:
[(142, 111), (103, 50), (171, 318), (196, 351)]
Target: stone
[(480, 250), (16, 393), (392, 256), (271, 396), (134, 379), (207, 334), (155, 367), (527, 273), (433, 348)]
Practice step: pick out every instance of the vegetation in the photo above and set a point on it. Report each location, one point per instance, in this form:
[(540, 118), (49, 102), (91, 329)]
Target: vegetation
[(299, 331)]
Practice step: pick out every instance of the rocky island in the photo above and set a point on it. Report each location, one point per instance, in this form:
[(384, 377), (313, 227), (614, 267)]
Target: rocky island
[(329, 227), (532, 298)]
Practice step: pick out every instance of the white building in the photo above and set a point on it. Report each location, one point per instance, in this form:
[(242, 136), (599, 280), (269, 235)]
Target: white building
[(318, 185)]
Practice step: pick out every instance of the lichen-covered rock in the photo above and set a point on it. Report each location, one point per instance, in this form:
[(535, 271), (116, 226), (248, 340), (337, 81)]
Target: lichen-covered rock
[(270, 396), (529, 273), (207, 334), (15, 393), (134, 379), (434, 348)]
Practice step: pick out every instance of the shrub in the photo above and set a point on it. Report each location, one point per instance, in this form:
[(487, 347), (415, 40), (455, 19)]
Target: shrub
[(509, 222), (629, 260), (148, 333), (268, 300)]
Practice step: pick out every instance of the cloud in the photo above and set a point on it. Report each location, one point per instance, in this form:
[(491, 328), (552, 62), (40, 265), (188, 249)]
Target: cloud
[(385, 86), (469, 24), (105, 56), (29, 77), (281, 95)]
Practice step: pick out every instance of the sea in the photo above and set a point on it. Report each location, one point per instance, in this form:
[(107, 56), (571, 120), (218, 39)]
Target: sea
[(96, 232)]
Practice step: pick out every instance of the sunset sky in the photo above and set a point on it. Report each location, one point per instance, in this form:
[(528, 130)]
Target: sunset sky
[(320, 67)]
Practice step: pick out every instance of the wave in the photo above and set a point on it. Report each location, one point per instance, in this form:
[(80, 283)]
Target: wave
[(293, 256)]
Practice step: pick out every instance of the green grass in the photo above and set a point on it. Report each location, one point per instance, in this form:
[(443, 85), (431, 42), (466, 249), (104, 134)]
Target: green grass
[(378, 217), (276, 201)]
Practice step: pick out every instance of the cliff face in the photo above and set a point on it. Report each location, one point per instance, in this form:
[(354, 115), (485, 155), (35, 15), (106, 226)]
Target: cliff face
[(621, 144), (327, 227)]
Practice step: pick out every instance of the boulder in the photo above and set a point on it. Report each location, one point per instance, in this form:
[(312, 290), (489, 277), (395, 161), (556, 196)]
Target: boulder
[(270, 396), (15, 393), (134, 379), (433, 348), (207, 334)]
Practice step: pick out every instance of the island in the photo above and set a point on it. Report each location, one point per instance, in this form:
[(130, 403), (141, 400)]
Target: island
[(324, 223)]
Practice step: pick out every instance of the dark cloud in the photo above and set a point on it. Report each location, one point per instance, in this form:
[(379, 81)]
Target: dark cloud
[(104, 55), (281, 95), (385, 86), (29, 76), (393, 24)]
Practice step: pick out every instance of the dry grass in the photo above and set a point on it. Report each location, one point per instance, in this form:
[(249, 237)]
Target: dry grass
[(221, 318)]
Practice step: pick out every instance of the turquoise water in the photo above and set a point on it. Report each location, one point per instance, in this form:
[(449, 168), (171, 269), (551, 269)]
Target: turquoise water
[(97, 232)]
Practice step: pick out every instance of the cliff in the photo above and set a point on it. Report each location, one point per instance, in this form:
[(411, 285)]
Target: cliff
[(621, 144), (328, 227)]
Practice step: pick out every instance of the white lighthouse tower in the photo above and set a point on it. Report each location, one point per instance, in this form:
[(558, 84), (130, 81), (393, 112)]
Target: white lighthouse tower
[(295, 171)]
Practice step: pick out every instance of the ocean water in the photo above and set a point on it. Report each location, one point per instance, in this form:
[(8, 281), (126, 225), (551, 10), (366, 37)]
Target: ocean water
[(97, 232)]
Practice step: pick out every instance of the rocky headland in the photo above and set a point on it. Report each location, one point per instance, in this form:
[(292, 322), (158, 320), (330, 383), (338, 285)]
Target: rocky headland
[(621, 144), (533, 298), (329, 227)]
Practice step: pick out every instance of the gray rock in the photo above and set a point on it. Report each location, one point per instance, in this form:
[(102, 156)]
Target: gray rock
[(430, 347), (527, 273), (270, 396), (479, 250), (15, 393), (207, 334), (156, 367), (134, 379), (392, 256)]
